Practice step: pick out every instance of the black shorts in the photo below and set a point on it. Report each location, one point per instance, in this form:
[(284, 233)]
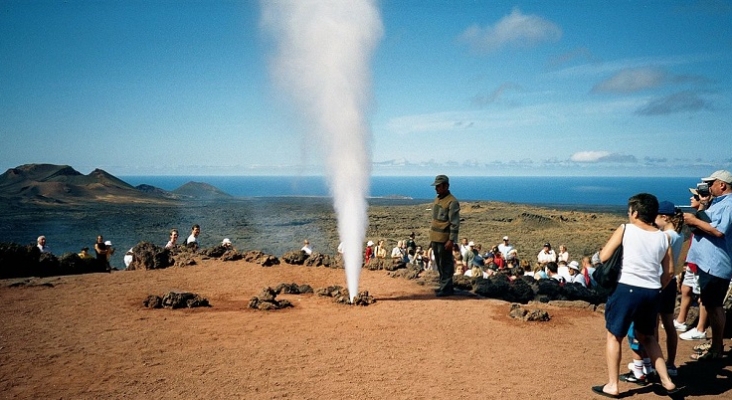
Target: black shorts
[(713, 289), (668, 298)]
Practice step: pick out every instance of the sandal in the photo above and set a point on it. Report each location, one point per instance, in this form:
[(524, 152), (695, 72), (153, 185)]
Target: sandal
[(701, 348), (707, 356)]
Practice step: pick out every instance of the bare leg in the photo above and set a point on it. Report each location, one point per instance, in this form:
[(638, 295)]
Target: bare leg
[(672, 340), (613, 354), (686, 293), (650, 344), (717, 320), (701, 326)]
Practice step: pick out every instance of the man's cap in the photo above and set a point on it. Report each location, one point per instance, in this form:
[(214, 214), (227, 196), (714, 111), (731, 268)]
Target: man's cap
[(471, 244), (477, 261), (694, 191), (369, 243), (722, 175), (226, 241), (666, 208), (505, 238), (547, 244), (439, 179), (574, 265), (488, 255), (108, 243)]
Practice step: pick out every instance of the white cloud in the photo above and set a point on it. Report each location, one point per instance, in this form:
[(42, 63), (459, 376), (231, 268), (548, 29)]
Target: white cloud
[(602, 156), (589, 156), (515, 29), (632, 80)]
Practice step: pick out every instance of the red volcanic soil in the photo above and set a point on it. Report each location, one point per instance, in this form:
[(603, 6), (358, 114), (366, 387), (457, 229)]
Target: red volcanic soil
[(89, 337)]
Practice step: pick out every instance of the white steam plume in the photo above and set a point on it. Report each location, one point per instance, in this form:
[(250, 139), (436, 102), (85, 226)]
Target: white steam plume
[(322, 61)]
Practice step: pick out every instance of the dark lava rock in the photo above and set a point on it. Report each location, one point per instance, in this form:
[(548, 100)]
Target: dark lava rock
[(231, 255), (215, 251), (267, 301), (341, 296), (319, 260), (258, 257), (462, 282), (495, 287), (519, 291), (410, 272), (184, 299), (549, 288), (184, 259), (146, 255), (297, 257), (293, 288), (73, 264), (519, 312), (175, 300)]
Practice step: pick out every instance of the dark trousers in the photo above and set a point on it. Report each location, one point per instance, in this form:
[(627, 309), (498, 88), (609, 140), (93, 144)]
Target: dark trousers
[(445, 266)]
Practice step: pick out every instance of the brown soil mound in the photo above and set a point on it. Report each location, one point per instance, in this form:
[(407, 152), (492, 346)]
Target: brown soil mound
[(91, 337)]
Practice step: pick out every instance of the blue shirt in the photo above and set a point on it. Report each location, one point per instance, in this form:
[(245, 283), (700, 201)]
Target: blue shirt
[(712, 254)]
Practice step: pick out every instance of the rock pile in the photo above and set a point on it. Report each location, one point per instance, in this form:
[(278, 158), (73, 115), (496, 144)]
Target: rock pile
[(258, 257), (175, 300), (519, 312), (315, 259), (266, 301), (341, 296), (146, 255)]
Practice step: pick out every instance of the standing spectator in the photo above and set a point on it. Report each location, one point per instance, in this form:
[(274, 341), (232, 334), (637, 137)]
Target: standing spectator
[(101, 249), (42, 244), (173, 239), (689, 288), (110, 252), (380, 251), (305, 247), (711, 251), (192, 241), (587, 271), (444, 232), (369, 253), (646, 268), (546, 255), (563, 255), (129, 256), (505, 247), (670, 220)]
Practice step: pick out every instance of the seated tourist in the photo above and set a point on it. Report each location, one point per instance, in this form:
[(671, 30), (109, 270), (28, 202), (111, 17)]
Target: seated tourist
[(305, 246), (192, 241), (563, 270), (84, 254), (575, 276)]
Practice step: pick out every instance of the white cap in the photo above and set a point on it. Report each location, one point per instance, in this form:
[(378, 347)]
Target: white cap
[(471, 244), (226, 241), (370, 243), (505, 238), (108, 243)]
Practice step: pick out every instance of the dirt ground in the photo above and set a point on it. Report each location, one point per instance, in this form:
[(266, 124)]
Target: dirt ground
[(89, 337)]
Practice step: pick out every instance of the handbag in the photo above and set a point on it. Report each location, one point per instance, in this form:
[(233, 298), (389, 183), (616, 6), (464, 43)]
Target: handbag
[(606, 274)]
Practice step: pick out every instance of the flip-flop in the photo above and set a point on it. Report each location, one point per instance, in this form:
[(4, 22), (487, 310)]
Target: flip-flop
[(707, 356), (598, 390), (700, 348)]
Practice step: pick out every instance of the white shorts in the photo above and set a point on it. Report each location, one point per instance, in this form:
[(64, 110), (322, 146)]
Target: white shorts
[(691, 280)]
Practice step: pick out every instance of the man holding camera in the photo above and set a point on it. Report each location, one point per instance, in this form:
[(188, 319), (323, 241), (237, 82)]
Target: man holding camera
[(711, 251)]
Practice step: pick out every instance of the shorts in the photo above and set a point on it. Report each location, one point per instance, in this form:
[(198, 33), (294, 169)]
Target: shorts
[(713, 289), (631, 304), (668, 298), (691, 280)]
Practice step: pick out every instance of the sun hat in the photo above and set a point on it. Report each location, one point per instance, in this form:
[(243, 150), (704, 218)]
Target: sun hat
[(666, 208), (694, 191), (440, 179), (722, 175), (108, 243), (574, 265)]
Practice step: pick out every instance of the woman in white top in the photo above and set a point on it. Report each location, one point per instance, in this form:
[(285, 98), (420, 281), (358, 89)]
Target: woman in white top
[(647, 267), (563, 255)]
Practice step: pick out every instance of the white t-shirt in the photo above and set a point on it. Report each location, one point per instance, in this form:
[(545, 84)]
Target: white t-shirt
[(643, 252), (504, 249), (397, 253), (545, 257), (577, 278), (307, 249), (192, 239)]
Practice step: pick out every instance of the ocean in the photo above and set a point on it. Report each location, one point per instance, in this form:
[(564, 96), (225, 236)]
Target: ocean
[(555, 191)]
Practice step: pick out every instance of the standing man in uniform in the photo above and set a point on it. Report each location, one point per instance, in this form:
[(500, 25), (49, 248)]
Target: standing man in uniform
[(711, 251), (444, 233)]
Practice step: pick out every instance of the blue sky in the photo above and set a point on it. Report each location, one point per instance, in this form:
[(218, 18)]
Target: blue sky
[(460, 87)]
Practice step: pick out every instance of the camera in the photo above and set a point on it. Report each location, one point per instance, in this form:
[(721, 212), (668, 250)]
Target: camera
[(703, 189)]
